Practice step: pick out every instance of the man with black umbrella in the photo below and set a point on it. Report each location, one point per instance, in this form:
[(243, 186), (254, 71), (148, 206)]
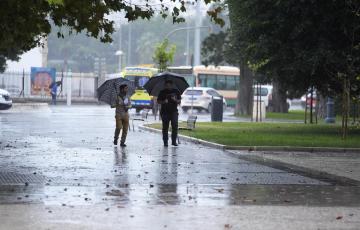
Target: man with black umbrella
[(169, 98)]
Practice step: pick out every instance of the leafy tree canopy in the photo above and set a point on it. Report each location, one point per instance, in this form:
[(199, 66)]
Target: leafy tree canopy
[(25, 22), (300, 43), (213, 49), (164, 55)]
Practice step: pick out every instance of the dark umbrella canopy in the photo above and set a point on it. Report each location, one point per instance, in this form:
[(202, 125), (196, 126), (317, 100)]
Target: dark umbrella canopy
[(157, 83), (108, 91), (58, 83)]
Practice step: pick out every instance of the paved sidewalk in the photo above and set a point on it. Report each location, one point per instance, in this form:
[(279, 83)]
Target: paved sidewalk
[(40, 217), (339, 164)]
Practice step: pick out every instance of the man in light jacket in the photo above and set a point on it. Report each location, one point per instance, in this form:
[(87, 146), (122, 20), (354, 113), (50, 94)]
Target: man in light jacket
[(122, 106)]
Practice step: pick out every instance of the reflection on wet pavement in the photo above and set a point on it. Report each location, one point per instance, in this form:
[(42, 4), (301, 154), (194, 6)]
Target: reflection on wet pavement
[(66, 158)]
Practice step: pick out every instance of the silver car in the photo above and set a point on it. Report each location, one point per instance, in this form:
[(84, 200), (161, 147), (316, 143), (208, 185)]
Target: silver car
[(199, 98), (5, 100)]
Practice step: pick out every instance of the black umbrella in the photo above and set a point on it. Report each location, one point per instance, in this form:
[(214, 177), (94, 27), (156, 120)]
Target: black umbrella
[(157, 83), (58, 83), (108, 91)]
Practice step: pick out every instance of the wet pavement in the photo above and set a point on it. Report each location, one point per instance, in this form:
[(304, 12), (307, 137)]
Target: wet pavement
[(62, 158)]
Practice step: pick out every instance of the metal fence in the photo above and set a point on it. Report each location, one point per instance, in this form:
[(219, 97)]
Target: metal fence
[(18, 84)]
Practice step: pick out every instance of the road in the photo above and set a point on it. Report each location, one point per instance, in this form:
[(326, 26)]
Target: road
[(59, 170)]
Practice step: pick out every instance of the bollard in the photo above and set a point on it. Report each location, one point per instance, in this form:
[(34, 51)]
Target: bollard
[(68, 88), (330, 111)]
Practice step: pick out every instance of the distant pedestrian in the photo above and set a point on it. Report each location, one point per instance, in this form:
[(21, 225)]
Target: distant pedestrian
[(53, 92), (122, 106), (169, 99)]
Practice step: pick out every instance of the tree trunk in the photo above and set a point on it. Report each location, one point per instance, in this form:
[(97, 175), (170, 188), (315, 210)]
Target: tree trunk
[(245, 94), (345, 107), (279, 103), (321, 106), (311, 104)]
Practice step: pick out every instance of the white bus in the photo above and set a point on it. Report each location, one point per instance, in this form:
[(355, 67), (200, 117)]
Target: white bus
[(225, 79)]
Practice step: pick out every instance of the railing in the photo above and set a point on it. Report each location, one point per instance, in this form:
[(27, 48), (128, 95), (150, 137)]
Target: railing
[(18, 83)]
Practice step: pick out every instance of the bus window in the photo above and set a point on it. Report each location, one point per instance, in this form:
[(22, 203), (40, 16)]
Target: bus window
[(202, 80), (211, 81), (231, 83), (237, 79), (221, 82), (190, 80), (140, 81)]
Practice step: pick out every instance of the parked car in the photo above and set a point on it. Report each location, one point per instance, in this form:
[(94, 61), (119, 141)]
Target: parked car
[(199, 98), (5, 100), (303, 100), (265, 94)]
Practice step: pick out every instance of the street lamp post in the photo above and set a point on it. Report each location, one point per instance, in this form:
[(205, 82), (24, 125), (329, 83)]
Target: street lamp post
[(197, 45), (185, 28), (188, 28), (120, 53)]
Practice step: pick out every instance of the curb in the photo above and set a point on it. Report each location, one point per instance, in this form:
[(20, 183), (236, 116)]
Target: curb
[(293, 149)]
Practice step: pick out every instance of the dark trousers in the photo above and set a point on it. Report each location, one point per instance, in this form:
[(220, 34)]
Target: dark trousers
[(53, 97), (168, 118)]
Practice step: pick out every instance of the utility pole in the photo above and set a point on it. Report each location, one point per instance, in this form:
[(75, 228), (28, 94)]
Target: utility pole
[(198, 23), (44, 53)]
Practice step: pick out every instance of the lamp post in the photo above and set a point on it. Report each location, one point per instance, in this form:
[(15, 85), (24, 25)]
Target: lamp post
[(120, 53), (185, 28), (197, 45), (188, 28)]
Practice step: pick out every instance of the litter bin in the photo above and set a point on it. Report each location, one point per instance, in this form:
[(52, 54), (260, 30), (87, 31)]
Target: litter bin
[(217, 108)]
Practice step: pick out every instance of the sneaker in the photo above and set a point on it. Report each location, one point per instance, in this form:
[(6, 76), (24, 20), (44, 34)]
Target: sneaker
[(174, 144), (122, 144), (115, 141), (166, 144)]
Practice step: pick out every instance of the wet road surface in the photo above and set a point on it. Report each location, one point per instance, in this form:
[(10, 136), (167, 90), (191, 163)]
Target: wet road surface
[(63, 157)]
